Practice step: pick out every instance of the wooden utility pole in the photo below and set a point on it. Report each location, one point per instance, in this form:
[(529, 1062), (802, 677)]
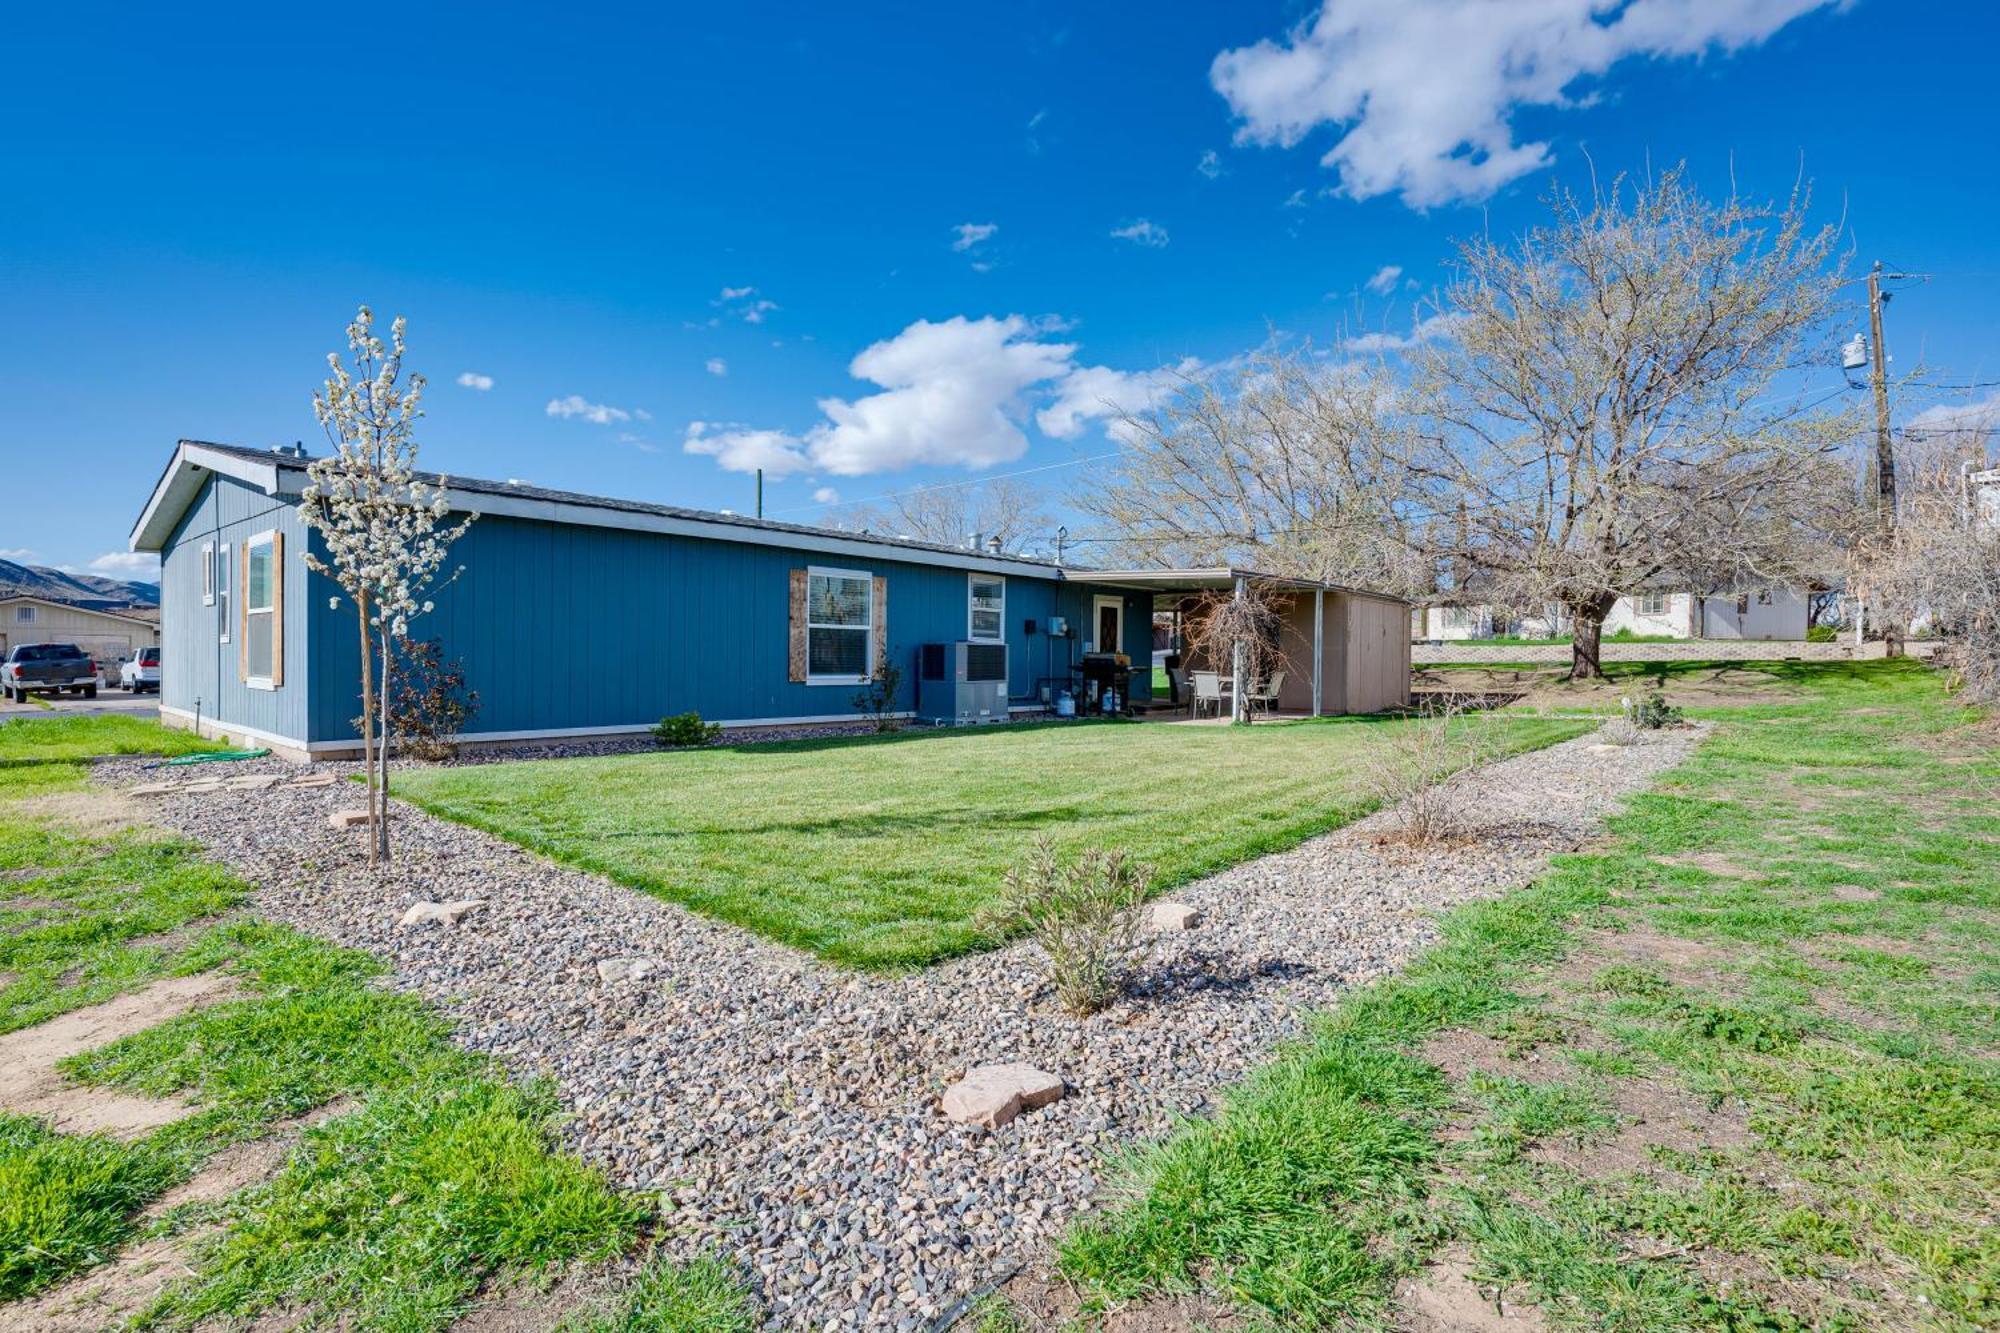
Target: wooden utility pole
[(1885, 454)]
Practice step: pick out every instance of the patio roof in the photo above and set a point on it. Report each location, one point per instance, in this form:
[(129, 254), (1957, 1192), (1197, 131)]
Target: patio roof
[(1203, 578)]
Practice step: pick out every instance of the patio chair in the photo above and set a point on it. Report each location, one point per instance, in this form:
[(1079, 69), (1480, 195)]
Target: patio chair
[(1177, 681), (1266, 694), (1207, 692)]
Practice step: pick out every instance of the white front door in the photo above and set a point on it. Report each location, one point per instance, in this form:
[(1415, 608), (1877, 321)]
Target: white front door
[(1108, 633)]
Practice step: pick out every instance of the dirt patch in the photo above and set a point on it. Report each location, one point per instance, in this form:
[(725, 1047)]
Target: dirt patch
[(529, 1308), (94, 812), (1713, 863), (30, 1085), (1653, 1113), (1444, 1298), (1683, 961), (1044, 1303), (1459, 1052), (106, 1296)]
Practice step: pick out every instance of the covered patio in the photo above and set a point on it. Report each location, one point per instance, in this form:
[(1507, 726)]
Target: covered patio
[(1339, 649)]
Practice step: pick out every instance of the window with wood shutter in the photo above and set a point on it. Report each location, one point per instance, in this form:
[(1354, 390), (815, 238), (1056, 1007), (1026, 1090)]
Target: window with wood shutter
[(263, 611), (840, 624)]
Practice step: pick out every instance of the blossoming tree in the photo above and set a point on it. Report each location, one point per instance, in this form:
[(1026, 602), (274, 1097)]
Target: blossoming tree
[(381, 523)]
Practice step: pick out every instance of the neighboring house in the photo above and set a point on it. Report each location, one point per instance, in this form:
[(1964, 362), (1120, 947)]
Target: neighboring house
[(581, 616), (113, 638), (1773, 613)]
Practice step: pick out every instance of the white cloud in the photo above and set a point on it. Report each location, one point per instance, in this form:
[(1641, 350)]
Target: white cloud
[(1422, 93), (639, 442), (1094, 393), (744, 303), (575, 405), (715, 365), (1384, 280), (472, 379), (1297, 199), (128, 565), (17, 554), (972, 233), (952, 396), (1142, 232), (1210, 164), (826, 495), (1967, 420), (1425, 330)]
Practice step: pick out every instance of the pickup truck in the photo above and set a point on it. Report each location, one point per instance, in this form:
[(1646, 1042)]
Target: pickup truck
[(142, 673), (48, 667)]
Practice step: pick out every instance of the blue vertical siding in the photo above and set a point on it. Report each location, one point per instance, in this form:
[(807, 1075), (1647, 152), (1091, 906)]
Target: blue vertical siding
[(564, 627), (198, 670)]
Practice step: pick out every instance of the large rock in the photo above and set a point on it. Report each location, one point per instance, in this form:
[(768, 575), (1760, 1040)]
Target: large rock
[(610, 970), (1173, 916), (992, 1095), (444, 914), (347, 818)]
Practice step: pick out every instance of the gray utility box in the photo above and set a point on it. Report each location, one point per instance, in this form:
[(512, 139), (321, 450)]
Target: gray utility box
[(961, 683)]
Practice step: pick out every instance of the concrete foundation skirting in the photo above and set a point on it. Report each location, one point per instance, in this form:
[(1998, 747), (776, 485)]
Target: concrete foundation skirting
[(284, 747), (1680, 650)]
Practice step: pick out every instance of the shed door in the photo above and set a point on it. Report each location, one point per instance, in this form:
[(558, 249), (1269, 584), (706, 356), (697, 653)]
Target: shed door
[(1110, 623)]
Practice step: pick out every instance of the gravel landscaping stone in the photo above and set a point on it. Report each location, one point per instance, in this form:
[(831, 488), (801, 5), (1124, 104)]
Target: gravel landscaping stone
[(443, 914), (1173, 916), (992, 1095), (787, 1112)]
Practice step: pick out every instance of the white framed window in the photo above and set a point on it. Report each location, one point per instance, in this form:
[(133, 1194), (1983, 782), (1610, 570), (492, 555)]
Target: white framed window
[(24, 615), (840, 615), (260, 611), (1652, 603), (221, 598), (1108, 634), (208, 574), (986, 615)]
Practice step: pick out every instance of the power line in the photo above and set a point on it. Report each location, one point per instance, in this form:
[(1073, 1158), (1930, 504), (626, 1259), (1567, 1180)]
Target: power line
[(952, 485)]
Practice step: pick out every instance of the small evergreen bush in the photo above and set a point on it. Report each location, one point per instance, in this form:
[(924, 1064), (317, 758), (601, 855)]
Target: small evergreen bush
[(1652, 713), (685, 730)]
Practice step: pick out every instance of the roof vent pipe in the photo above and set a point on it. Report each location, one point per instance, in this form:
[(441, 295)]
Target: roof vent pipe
[(992, 546), (975, 541)]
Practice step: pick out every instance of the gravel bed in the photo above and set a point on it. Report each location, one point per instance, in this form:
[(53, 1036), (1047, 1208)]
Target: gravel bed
[(785, 1111)]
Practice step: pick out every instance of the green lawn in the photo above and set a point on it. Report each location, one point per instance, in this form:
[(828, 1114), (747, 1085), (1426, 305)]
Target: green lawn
[(1793, 941), (444, 1175), (877, 851)]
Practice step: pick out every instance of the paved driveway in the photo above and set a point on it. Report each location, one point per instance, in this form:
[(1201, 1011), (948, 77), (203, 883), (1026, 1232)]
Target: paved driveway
[(107, 701)]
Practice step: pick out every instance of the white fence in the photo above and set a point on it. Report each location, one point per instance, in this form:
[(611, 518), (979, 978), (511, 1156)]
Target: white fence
[(1679, 650)]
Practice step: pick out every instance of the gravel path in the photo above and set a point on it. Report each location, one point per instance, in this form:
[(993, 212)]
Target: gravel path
[(785, 1111)]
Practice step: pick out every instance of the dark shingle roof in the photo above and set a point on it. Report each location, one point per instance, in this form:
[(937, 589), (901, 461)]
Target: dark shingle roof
[(519, 490)]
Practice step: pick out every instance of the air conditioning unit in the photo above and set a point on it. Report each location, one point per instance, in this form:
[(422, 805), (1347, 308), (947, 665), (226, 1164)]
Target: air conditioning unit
[(962, 683)]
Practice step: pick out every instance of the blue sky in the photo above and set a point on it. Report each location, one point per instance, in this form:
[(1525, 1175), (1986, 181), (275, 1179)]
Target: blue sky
[(629, 220)]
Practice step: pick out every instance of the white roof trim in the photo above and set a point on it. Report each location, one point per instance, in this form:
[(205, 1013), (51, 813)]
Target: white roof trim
[(181, 482)]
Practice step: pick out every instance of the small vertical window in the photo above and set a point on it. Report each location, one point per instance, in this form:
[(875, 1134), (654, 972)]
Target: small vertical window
[(260, 610), (221, 598), (208, 574), (989, 608), (839, 617), (1653, 604), (24, 614)]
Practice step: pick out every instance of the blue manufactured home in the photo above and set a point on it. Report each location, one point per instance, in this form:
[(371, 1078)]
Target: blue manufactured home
[(580, 616)]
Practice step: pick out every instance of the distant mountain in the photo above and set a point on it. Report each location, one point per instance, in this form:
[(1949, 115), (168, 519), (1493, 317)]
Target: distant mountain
[(86, 590)]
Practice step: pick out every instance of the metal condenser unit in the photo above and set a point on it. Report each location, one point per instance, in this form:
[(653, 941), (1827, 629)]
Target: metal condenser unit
[(961, 683)]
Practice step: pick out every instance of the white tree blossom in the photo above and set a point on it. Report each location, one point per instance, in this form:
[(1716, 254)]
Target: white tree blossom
[(380, 521)]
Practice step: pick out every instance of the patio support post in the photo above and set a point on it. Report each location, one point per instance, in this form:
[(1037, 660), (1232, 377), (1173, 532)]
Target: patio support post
[(1239, 703), (1319, 635)]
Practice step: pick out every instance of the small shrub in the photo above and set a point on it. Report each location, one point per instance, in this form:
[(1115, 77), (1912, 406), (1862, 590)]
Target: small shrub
[(1822, 634), (429, 704), (878, 697), (1652, 713), (685, 730), (1412, 772), (1620, 731), (1084, 914)]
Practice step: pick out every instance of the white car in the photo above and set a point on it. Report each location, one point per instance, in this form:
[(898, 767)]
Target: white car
[(142, 674)]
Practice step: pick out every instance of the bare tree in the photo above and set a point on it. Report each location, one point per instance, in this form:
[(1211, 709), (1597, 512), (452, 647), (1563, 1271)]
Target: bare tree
[(1941, 564), (1277, 464), (1013, 512), (1618, 402)]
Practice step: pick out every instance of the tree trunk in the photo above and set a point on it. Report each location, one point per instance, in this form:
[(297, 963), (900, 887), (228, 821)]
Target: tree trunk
[(1586, 637), (367, 719), (381, 822)]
